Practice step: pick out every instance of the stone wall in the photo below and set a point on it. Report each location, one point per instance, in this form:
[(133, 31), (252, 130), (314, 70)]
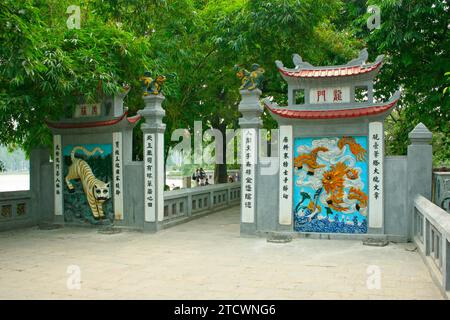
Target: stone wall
[(404, 177), (441, 190)]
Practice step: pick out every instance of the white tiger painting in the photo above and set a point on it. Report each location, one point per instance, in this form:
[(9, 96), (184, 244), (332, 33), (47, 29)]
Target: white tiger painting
[(96, 191)]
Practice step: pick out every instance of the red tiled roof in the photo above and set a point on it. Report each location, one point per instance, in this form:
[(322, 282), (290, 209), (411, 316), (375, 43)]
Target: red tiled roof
[(331, 72), (331, 114), (103, 123)]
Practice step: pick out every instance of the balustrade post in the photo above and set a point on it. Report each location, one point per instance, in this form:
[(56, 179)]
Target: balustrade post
[(250, 123), (419, 169), (153, 130)]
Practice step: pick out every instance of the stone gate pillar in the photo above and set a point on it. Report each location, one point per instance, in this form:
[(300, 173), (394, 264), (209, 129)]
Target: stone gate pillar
[(38, 157), (153, 130), (250, 123), (419, 168)]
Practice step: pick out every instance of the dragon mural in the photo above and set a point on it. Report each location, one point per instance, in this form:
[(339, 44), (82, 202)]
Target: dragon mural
[(330, 193)]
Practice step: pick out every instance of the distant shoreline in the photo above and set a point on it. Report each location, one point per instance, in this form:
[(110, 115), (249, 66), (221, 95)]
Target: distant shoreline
[(14, 181), (18, 173)]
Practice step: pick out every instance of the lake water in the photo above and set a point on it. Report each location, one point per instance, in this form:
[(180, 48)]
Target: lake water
[(14, 182)]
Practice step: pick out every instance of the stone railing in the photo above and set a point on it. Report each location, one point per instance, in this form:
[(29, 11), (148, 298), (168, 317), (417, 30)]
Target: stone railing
[(15, 209), (432, 236), (183, 204)]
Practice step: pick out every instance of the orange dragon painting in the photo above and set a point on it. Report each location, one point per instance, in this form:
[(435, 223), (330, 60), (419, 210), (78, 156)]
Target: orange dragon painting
[(335, 184), (310, 159)]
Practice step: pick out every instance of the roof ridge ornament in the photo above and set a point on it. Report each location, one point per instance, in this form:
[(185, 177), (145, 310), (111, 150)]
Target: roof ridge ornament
[(361, 60), (354, 67), (299, 63)]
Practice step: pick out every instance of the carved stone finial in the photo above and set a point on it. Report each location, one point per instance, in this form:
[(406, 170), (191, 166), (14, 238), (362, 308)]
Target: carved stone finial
[(150, 85), (362, 58), (297, 59), (420, 135), (279, 64), (251, 80), (299, 63)]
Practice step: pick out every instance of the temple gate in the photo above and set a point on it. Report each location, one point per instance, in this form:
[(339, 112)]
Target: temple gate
[(331, 176), (91, 144)]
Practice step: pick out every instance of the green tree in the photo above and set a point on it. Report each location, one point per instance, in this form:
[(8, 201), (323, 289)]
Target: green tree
[(195, 43), (414, 36), (44, 66), (201, 46)]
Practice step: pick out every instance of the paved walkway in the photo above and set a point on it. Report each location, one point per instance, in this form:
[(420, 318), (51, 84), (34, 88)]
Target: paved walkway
[(204, 259)]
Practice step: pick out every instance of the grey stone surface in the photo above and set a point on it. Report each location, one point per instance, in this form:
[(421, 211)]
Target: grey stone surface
[(419, 168), (133, 200), (203, 259), (267, 195), (46, 202), (153, 114), (395, 186), (434, 214), (447, 264), (441, 189), (11, 200), (436, 219), (420, 135), (251, 109)]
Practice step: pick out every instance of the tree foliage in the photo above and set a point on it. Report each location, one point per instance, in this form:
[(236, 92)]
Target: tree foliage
[(44, 65), (197, 43), (414, 36)]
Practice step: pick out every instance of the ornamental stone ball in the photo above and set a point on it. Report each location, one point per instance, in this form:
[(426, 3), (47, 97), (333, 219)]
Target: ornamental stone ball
[(250, 80)]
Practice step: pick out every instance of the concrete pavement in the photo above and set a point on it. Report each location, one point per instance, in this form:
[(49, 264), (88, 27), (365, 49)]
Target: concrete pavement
[(204, 259)]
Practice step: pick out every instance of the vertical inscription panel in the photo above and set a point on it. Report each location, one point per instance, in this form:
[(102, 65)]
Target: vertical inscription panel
[(118, 175), (376, 187), (285, 174), (249, 152), (57, 174), (149, 177), (160, 176)]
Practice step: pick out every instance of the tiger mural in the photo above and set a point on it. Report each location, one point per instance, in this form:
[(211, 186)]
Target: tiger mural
[(96, 191)]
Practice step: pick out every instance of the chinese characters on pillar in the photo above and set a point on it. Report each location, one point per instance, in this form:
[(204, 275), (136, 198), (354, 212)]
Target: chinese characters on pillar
[(376, 166), (329, 95), (376, 147), (118, 175), (149, 172), (248, 174), (57, 170), (285, 173)]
